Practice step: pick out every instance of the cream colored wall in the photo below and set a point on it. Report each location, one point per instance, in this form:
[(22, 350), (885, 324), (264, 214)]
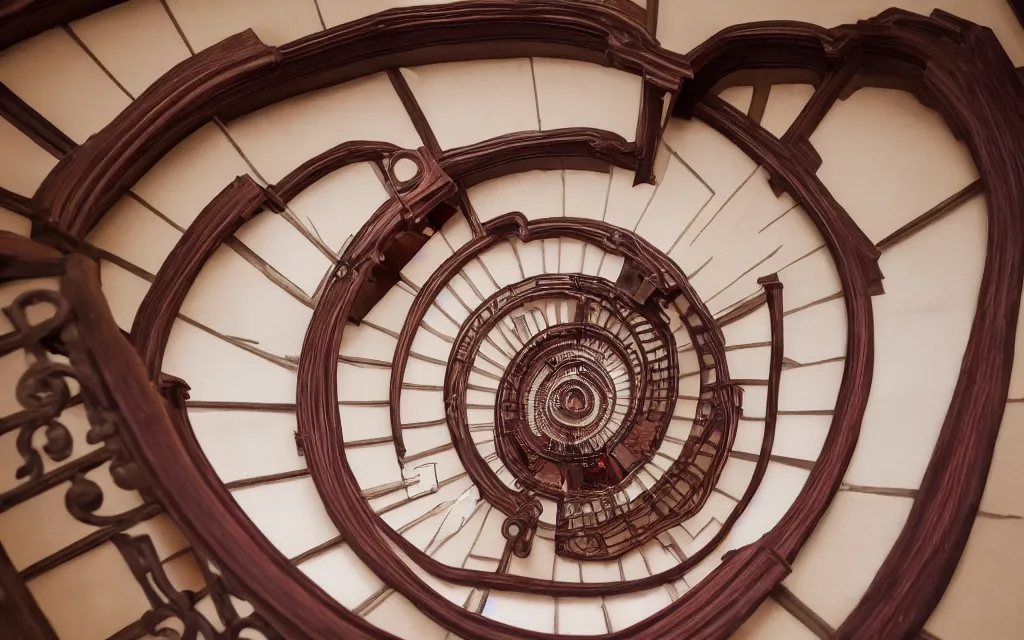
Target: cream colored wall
[(886, 158)]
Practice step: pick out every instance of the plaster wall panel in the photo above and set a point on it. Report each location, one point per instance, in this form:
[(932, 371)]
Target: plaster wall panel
[(469, 102), (778, 490), (676, 202), (810, 279), (425, 507), (92, 597), (749, 363), (816, 333), (582, 94), (522, 610), (921, 328), (57, 78), (221, 371), (1004, 489), (418, 441), (801, 437), (749, 436), (280, 137), (752, 328), (784, 104), (285, 249), (983, 598), (191, 174), (772, 622), (844, 552), (342, 575), (581, 616), (490, 543), (23, 164), (392, 309), (629, 609), (718, 162), (601, 571), (535, 194), (586, 194), (810, 388), (888, 159), (234, 298), (135, 41), (289, 513), (502, 264), (401, 618), (207, 23), (247, 444), (739, 97), (337, 205), (131, 231), (361, 423), (364, 341), (626, 203), (375, 465), (455, 550), (1016, 391)]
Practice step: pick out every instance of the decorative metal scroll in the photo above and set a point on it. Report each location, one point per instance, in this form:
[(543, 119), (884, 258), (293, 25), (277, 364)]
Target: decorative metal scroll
[(61, 374)]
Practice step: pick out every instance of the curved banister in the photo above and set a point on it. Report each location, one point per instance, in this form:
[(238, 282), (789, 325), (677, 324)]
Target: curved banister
[(241, 74), (984, 104), (183, 482)]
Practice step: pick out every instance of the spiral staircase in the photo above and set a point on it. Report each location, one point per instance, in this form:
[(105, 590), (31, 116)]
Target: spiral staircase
[(509, 319)]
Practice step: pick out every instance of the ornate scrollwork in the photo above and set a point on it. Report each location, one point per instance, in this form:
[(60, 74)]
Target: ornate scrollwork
[(84, 498), (168, 604), (42, 391), (62, 373)]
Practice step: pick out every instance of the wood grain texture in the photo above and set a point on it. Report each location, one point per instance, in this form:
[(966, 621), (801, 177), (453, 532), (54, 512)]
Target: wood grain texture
[(831, 87), (17, 203), (978, 83), (22, 258), (692, 616), (598, 32), (648, 133), (573, 148), (241, 74), (335, 158), (87, 181), (218, 221), (934, 214), (332, 479), (159, 439), (412, 107), (949, 63), (27, 120), (855, 273)]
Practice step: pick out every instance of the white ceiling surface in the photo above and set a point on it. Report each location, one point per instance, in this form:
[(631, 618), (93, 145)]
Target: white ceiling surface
[(886, 158)]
